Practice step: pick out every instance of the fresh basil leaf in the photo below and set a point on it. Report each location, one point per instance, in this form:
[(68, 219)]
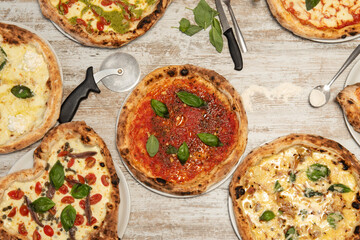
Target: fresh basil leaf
[(310, 4), (42, 204), (204, 14), (57, 175), (341, 188), (267, 216), (80, 191), (3, 58), (171, 150), (278, 187), (190, 99), (292, 177), (159, 108), (152, 145), (84, 10), (317, 171), (193, 29), (210, 139), (311, 193), (291, 234), (184, 25), (67, 217), (334, 218), (73, 21), (215, 35), (21, 91), (183, 153)]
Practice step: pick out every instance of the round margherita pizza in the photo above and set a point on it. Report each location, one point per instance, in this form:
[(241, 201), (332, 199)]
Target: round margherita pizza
[(182, 129), (104, 23), (315, 19), (297, 187), (71, 193), (30, 88)]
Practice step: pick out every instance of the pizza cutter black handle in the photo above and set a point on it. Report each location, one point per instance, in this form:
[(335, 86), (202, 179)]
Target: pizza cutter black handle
[(234, 49), (72, 102)]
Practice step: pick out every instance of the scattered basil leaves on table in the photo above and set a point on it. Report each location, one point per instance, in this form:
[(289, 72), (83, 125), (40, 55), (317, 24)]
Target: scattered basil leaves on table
[(67, 217), (187, 28), (310, 4), (338, 187), (3, 58), (21, 91), (215, 35), (190, 99), (80, 191), (183, 153), (159, 108), (42, 204), (57, 175), (267, 216), (334, 218), (210, 139), (152, 145)]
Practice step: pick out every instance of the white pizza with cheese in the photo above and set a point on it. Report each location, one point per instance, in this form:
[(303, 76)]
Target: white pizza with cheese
[(30, 88), (71, 193), (297, 187)]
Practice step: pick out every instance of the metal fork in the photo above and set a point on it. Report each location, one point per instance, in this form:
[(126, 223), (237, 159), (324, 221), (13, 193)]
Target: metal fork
[(238, 34)]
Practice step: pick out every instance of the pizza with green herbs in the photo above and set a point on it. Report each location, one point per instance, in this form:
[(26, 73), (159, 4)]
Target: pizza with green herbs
[(104, 23)]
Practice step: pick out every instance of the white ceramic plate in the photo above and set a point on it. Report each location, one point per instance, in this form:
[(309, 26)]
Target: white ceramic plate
[(27, 161), (232, 217), (216, 185), (352, 78)]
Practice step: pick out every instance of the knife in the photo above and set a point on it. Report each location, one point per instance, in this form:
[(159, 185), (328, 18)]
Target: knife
[(229, 34)]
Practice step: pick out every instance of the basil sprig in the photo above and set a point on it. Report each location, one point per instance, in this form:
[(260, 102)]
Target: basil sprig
[(183, 153), (204, 14), (67, 217), (42, 204), (171, 150), (215, 35), (80, 191), (278, 187), (311, 193), (338, 187), (334, 218), (57, 175), (317, 171), (152, 145), (267, 216), (291, 234), (159, 108), (21, 91), (310, 4), (190, 99), (210, 139), (188, 28), (3, 58)]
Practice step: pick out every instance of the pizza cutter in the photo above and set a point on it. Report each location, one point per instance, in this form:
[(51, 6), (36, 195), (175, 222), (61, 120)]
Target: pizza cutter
[(119, 72)]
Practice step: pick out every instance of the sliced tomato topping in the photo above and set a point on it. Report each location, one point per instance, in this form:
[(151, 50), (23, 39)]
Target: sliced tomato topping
[(81, 22), (106, 2), (90, 161), (38, 188), (16, 194), (90, 178), (48, 231), (12, 212), (81, 179), (100, 26), (24, 211), (94, 199), (105, 180), (68, 199), (22, 229), (92, 221), (79, 220), (36, 235), (71, 2), (82, 204), (63, 153), (71, 163), (64, 189), (103, 20)]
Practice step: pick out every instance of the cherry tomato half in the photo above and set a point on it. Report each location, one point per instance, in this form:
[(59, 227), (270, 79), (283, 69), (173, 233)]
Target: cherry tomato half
[(22, 229), (63, 153), (90, 178), (24, 211), (68, 199), (38, 188), (81, 179), (64, 189), (105, 180), (48, 231), (36, 235), (81, 22), (106, 2), (16, 194), (94, 199), (71, 163), (79, 220), (100, 26), (90, 161), (92, 221), (82, 204), (12, 212)]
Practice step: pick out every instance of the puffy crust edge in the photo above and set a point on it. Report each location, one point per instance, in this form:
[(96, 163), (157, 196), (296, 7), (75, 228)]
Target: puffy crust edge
[(291, 23), (275, 147), (102, 39), (15, 35), (201, 183)]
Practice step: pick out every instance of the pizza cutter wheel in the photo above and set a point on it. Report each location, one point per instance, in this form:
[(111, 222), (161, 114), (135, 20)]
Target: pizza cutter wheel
[(119, 72)]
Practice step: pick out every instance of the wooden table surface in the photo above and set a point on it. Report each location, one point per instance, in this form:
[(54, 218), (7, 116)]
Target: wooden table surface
[(279, 71)]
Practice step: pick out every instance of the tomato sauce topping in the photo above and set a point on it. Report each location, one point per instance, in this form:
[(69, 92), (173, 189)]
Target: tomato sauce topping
[(183, 125)]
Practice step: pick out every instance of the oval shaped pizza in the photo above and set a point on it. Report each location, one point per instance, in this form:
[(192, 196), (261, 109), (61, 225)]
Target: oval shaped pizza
[(182, 129), (30, 88), (297, 187), (71, 193), (104, 23), (326, 19)]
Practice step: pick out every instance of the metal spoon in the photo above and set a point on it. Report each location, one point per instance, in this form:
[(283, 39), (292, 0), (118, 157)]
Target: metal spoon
[(320, 95)]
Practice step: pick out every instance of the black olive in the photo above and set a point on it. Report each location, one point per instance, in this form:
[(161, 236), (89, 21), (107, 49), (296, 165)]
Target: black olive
[(355, 205), (4, 216), (102, 164)]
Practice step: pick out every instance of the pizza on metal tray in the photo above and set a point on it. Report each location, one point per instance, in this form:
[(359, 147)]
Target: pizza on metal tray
[(182, 129), (297, 187), (30, 88), (104, 23), (71, 193)]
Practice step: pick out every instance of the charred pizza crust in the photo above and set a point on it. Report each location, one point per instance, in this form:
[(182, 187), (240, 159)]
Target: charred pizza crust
[(15, 35), (293, 24), (237, 185), (108, 228), (103, 39), (349, 100), (222, 89)]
